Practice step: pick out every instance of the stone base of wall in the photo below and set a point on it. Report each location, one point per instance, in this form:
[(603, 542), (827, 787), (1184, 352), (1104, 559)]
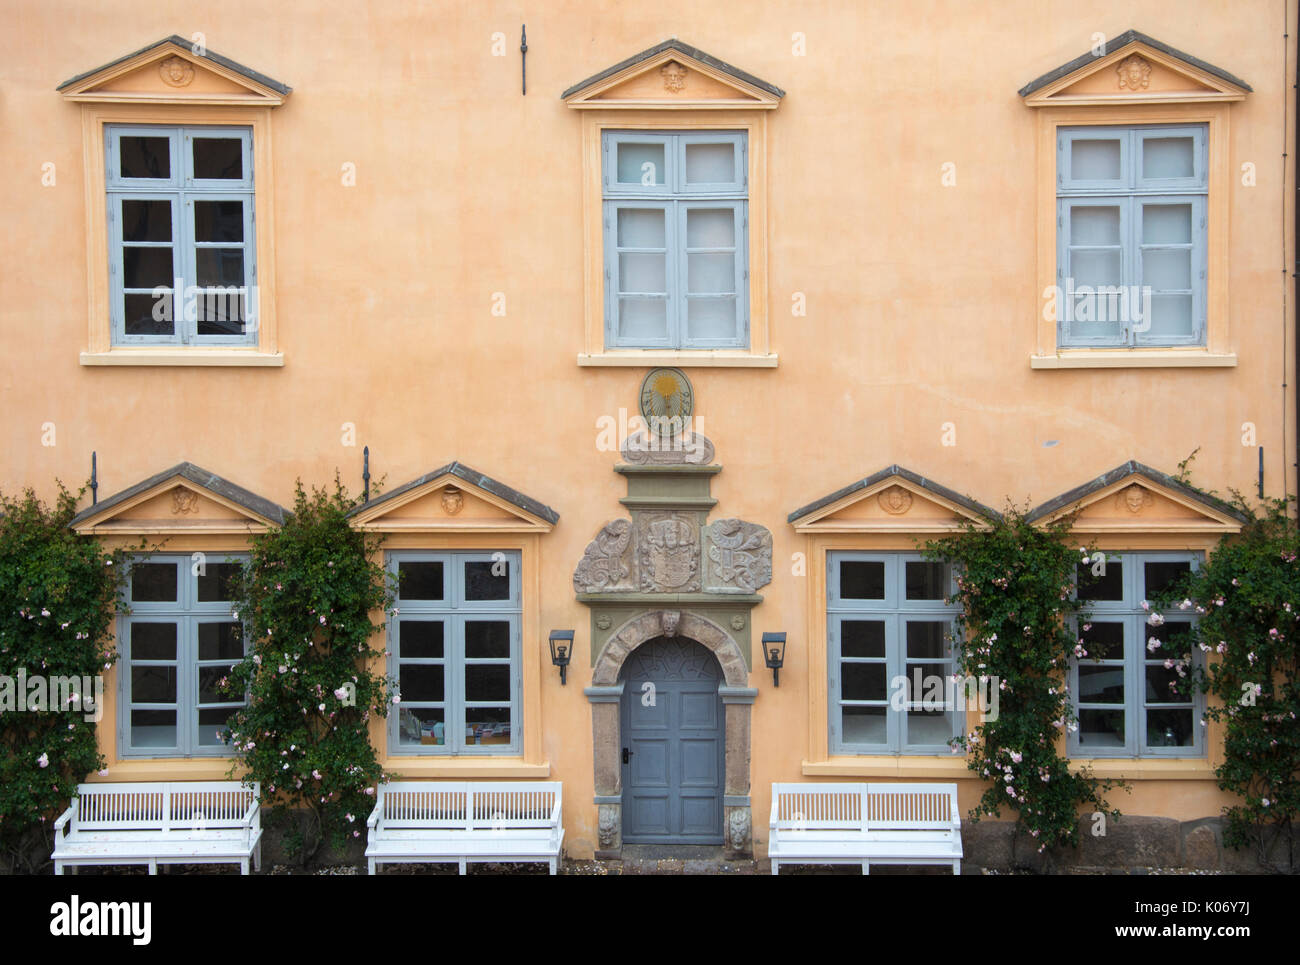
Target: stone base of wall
[(1131, 842)]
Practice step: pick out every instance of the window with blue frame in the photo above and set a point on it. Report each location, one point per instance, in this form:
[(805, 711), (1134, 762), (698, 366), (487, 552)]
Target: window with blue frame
[(891, 624), (178, 642), (1131, 236), (1128, 657), (676, 226), (455, 653), (180, 214)]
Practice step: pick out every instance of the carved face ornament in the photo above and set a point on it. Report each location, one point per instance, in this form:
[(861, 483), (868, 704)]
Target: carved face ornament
[(674, 77), (176, 72), (1134, 73), (452, 500)]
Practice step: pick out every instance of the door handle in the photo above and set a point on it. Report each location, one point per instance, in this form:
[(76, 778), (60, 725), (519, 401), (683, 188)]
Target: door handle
[(627, 754)]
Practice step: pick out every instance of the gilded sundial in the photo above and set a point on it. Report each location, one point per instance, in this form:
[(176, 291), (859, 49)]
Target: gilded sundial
[(667, 401)]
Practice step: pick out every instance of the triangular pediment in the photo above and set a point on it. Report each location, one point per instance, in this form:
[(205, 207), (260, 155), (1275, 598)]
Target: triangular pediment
[(175, 71), (894, 500), (456, 499), (184, 499), (1134, 498), (1134, 69), (673, 75)]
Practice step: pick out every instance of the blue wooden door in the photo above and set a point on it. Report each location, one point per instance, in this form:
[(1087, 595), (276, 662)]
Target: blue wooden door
[(672, 727)]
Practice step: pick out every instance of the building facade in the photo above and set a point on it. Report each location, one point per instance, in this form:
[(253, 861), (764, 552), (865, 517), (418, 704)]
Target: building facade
[(866, 270)]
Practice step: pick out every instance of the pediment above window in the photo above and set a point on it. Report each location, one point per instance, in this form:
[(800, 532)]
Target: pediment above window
[(1134, 498), (1133, 69), (894, 500), (673, 75), (184, 499), (172, 72), (455, 499)]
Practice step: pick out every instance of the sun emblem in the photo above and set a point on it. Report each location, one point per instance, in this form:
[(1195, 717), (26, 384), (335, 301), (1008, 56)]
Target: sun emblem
[(667, 401)]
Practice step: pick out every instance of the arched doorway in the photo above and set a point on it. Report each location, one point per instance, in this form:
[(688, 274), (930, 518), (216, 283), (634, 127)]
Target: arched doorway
[(672, 727)]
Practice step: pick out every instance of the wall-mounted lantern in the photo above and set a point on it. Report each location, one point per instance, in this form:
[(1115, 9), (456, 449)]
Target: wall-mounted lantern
[(561, 651), (774, 653)]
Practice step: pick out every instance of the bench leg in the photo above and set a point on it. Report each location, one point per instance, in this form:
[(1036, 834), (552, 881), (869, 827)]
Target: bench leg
[(776, 866), (371, 863), (956, 867), (554, 863), (58, 867), (153, 866), (257, 857), (462, 863), (866, 867)]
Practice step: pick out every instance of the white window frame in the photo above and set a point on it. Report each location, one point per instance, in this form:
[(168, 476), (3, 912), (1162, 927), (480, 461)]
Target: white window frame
[(675, 197), (182, 189), (1137, 658), (186, 613), (894, 611), (1130, 192), (454, 611)]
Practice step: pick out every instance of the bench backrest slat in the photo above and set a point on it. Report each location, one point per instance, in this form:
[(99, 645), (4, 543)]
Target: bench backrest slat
[(174, 806), (468, 804), (865, 807)]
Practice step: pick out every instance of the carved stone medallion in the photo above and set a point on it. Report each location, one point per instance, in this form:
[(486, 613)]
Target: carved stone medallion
[(740, 554), (605, 564), (604, 622), (667, 401), (668, 546), (1134, 498), (452, 500), (176, 72), (895, 500), (1134, 72), (184, 501), (674, 75)]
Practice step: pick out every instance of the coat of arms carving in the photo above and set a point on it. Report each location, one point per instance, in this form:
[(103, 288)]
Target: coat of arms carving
[(669, 552), (740, 553), (605, 566)]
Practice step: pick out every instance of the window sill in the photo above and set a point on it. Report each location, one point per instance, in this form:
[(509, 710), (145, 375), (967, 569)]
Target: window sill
[(464, 768), (717, 358), (950, 767), (1137, 358), (1146, 769), (183, 357), (166, 769)]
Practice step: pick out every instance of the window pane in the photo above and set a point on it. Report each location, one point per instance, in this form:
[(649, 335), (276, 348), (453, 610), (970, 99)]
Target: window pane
[(147, 267), (640, 163), (153, 685), (1095, 160), (925, 639), (421, 639), (1094, 224), (1101, 729), (643, 318), (933, 725), (1170, 728), (146, 220), (1166, 224), (644, 273), (221, 311), (1167, 157), (142, 314), (212, 722), (1167, 269), (420, 581), (422, 725), (1101, 685), (1107, 585), (421, 682), (145, 157), (641, 228), (710, 228), (862, 638), (218, 221), (487, 682), (862, 681), (710, 273), (217, 581), (219, 158), (487, 638), (862, 580), (221, 641), (487, 725), (153, 582), (1160, 576), (487, 580), (1103, 641), (153, 728), (220, 266), (711, 318), (1096, 269), (1158, 689), (210, 691), (1175, 638), (153, 641), (710, 163), (925, 581), (1171, 315), (863, 725)]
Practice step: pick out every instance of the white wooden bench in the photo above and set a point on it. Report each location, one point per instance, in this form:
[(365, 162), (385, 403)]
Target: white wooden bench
[(185, 822), (865, 824), (438, 822)]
